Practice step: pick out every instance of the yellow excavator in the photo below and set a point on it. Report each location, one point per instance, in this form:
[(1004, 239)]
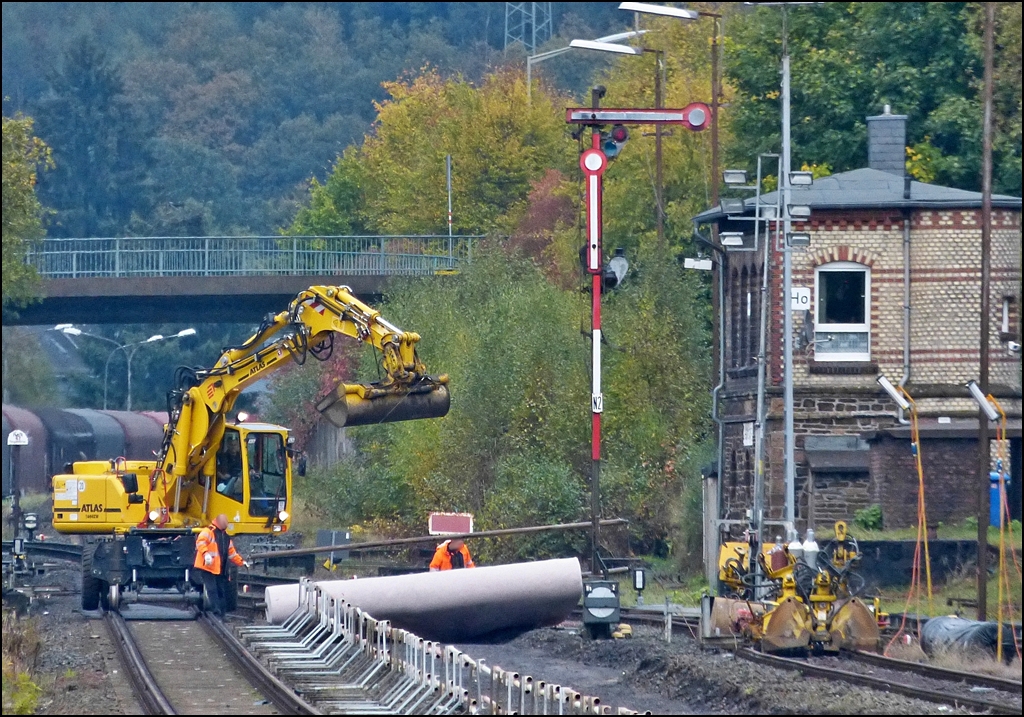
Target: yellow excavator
[(142, 516), (799, 599)]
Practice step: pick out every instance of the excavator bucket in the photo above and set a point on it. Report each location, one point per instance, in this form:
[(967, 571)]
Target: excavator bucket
[(787, 628), (854, 627), (345, 406)]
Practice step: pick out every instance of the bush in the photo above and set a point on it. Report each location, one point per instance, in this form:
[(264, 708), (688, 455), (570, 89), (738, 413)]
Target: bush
[(21, 645), (869, 518)]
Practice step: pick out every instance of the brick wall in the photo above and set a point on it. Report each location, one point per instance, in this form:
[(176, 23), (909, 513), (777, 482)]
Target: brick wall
[(945, 294), (945, 289), (948, 497), (838, 496)]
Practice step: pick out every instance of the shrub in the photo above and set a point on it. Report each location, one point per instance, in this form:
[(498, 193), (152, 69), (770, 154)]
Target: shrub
[(869, 518)]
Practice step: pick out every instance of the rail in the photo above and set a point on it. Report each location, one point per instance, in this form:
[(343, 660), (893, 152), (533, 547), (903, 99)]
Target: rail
[(344, 660), (151, 697), (128, 257), (278, 693), (879, 683), (939, 673), (60, 551)]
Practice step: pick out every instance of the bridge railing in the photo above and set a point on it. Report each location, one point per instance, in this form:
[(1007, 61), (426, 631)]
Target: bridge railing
[(250, 255)]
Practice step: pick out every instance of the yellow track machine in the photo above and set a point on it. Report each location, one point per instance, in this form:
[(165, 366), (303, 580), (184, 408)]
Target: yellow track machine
[(799, 598)]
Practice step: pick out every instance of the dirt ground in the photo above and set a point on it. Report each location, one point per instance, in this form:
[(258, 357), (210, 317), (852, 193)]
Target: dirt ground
[(646, 674), (79, 672)]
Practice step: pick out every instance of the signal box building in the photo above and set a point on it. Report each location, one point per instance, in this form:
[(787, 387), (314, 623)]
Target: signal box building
[(889, 285)]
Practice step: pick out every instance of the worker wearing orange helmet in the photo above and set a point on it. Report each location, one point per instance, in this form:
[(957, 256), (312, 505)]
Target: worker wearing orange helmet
[(212, 544), (451, 554)]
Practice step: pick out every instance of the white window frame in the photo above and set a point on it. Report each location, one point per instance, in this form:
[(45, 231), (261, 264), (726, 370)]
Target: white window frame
[(821, 329)]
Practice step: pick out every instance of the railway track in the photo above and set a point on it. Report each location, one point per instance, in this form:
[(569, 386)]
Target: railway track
[(918, 680), (197, 666), (921, 682), (59, 551), (912, 679)]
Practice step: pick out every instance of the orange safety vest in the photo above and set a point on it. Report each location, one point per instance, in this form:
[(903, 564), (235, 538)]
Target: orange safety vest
[(206, 543), (443, 559)]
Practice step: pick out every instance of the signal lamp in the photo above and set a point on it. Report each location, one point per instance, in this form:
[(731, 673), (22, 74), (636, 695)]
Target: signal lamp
[(613, 141)]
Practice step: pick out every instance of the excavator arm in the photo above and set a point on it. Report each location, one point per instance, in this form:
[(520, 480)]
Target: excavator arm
[(203, 398)]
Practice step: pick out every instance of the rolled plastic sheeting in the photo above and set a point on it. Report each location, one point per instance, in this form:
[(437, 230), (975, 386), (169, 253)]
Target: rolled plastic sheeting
[(455, 605), (955, 634)]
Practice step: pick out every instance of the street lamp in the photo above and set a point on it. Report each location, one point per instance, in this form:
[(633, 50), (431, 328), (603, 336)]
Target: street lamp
[(683, 14), (659, 10), (540, 57), (72, 330), (135, 347)]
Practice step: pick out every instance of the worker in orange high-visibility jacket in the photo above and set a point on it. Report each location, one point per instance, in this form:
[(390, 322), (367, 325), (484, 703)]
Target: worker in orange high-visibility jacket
[(451, 554), (212, 543)]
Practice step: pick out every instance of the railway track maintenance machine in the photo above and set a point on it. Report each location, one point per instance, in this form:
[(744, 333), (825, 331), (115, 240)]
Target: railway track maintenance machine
[(141, 517), (799, 598)]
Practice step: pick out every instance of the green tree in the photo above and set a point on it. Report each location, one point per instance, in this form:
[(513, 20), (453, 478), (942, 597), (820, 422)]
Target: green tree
[(96, 144), (848, 60), (28, 375), (395, 183), (23, 155)]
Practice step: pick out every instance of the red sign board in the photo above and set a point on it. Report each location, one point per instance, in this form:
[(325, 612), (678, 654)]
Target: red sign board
[(449, 523)]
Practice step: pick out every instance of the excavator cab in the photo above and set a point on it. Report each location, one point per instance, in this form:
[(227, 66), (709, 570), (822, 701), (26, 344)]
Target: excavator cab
[(253, 478)]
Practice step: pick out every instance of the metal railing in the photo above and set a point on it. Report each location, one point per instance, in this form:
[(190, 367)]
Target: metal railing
[(343, 660), (250, 256)]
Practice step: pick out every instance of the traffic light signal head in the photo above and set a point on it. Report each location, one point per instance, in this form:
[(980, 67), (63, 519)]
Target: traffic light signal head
[(613, 141)]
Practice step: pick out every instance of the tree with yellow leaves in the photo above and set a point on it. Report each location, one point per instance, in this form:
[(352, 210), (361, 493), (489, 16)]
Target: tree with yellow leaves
[(23, 154)]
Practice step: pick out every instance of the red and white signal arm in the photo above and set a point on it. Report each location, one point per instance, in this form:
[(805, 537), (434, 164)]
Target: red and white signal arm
[(593, 162), (696, 116), (449, 523)]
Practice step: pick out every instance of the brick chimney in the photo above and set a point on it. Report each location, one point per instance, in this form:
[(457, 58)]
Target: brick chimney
[(887, 141)]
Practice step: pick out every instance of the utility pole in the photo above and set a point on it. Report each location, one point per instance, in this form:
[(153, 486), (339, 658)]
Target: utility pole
[(787, 288), (448, 174), (984, 458), (659, 191)]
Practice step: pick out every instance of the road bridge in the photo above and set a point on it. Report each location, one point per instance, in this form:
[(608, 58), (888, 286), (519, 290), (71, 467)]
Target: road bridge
[(128, 280)]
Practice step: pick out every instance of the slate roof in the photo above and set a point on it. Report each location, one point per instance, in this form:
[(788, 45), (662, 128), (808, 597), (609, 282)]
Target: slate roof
[(872, 189)]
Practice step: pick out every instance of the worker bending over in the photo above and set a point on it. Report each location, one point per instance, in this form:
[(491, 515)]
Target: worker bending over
[(451, 554)]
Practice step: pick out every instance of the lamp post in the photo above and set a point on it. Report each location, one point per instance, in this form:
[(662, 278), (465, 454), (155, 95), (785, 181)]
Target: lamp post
[(140, 344), (738, 180), (540, 57), (71, 330), (683, 14)]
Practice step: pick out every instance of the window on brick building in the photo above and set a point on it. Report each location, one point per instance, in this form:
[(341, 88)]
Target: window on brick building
[(842, 322)]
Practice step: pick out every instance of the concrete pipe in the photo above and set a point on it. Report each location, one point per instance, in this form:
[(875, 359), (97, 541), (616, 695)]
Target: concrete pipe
[(455, 605)]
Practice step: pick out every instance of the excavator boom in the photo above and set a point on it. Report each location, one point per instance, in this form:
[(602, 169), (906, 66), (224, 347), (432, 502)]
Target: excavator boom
[(203, 399)]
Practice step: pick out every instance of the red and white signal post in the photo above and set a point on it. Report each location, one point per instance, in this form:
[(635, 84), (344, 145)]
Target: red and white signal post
[(594, 162)]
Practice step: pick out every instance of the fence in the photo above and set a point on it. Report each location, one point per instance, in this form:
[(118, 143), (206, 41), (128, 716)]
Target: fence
[(251, 256)]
